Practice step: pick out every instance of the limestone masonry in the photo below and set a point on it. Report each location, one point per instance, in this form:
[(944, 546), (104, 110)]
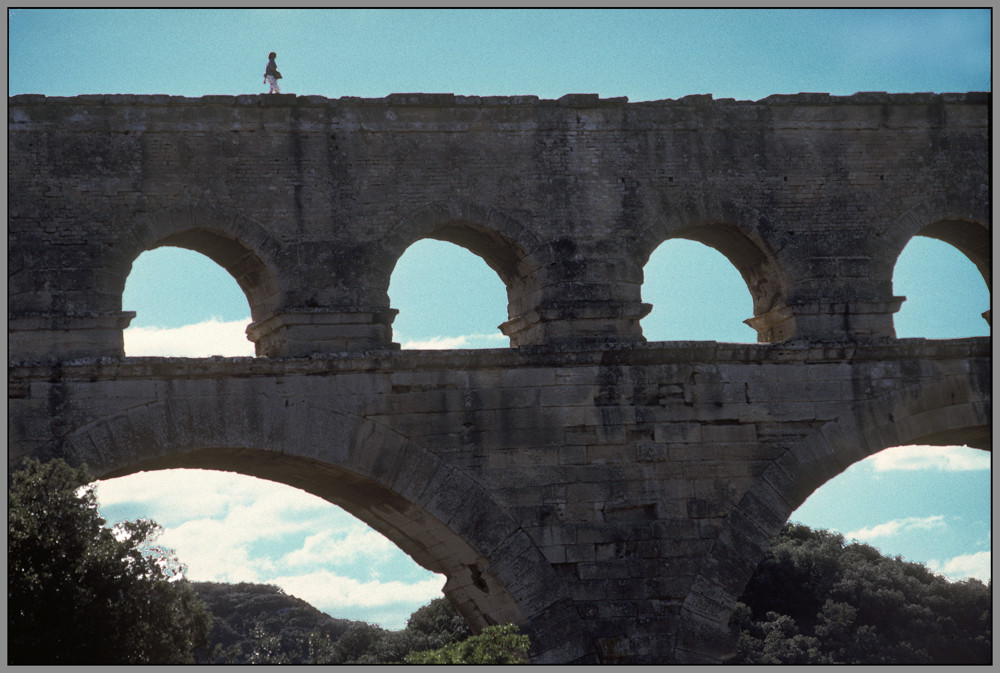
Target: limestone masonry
[(611, 496)]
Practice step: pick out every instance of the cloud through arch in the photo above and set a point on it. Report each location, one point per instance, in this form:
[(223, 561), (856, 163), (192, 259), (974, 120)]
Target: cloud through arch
[(234, 528), (203, 339)]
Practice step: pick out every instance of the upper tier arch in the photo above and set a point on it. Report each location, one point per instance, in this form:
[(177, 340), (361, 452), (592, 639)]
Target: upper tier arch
[(810, 196), (748, 253), (506, 245), (233, 241)]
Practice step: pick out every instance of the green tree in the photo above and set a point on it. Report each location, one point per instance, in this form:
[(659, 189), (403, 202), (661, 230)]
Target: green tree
[(815, 599), (259, 623), (432, 626), (82, 593), (358, 644), (495, 645), (437, 624)]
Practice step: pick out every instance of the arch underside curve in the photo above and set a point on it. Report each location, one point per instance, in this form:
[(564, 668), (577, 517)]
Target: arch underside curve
[(971, 238), (959, 219), (746, 256), (506, 245), (731, 229), (947, 411), (234, 242), (437, 514)]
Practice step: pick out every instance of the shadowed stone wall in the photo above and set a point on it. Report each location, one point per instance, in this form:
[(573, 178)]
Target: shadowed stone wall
[(609, 495)]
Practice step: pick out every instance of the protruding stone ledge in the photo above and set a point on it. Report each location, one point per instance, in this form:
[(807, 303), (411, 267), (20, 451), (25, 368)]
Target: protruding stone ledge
[(653, 353), (46, 337), (69, 320), (302, 332), (826, 320), (579, 323), (778, 324)]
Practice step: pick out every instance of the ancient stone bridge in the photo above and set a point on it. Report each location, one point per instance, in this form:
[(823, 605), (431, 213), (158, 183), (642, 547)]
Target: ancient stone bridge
[(611, 496)]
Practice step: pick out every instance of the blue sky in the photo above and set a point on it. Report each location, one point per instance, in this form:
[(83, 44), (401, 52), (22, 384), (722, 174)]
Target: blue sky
[(925, 503)]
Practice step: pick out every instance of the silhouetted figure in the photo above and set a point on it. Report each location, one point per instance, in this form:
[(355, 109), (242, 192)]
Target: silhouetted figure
[(271, 74)]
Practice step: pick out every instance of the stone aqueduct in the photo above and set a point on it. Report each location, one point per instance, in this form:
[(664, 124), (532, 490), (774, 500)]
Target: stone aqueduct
[(611, 496)]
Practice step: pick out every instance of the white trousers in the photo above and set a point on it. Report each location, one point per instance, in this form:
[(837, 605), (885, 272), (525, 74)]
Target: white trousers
[(274, 84)]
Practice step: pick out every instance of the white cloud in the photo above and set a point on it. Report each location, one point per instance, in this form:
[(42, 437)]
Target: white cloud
[(213, 337), (338, 546), (897, 526), (943, 458), (203, 339), (228, 527), (189, 493), (323, 588), (464, 341), (978, 565), (215, 551)]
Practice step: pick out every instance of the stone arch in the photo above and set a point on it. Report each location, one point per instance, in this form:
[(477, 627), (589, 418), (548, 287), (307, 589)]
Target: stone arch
[(512, 250), (436, 513), (506, 245), (236, 243), (735, 237), (963, 224), (970, 237), (951, 410)]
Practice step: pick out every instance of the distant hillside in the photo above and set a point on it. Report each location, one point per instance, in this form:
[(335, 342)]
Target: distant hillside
[(244, 615), (260, 624), (814, 599)]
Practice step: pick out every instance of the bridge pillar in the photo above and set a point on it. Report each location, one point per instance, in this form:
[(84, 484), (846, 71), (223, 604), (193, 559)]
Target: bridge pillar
[(45, 337), (580, 324), (588, 294), (825, 320), (301, 332)]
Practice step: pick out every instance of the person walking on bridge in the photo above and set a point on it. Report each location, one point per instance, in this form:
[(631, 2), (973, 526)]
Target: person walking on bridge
[(271, 74)]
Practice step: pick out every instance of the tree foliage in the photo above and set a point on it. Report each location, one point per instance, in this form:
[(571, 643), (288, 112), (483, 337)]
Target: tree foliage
[(816, 600), (260, 624), (495, 645), (82, 593), (434, 625)]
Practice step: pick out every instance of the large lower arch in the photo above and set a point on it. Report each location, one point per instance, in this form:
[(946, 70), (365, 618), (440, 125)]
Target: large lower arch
[(434, 512), (946, 411)]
